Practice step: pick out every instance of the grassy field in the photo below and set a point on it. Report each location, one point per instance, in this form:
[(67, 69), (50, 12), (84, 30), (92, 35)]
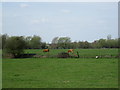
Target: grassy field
[(62, 72), (82, 52)]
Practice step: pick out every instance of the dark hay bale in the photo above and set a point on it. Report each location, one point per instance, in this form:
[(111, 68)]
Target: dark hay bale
[(63, 55)]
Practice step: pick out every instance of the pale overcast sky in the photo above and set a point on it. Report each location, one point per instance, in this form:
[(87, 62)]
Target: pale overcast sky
[(79, 21)]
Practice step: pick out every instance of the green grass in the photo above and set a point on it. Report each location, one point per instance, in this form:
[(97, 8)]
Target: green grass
[(0, 68), (82, 52), (60, 73), (0, 53)]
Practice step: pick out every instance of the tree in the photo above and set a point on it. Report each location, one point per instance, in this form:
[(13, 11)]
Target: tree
[(35, 42), (43, 45), (0, 41), (86, 44), (15, 45), (109, 37), (102, 43), (28, 40), (64, 42), (95, 44), (54, 43), (113, 43), (4, 38), (74, 45), (55, 40)]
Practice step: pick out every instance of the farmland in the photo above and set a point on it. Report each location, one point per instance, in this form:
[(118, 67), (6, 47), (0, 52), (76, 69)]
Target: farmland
[(62, 72), (82, 52)]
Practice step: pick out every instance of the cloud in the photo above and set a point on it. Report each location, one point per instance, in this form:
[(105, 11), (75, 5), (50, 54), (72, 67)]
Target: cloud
[(65, 11), (101, 21), (23, 5), (43, 20), (38, 21), (16, 15), (35, 21)]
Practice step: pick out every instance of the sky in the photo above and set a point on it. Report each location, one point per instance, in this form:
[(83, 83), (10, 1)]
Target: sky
[(81, 21)]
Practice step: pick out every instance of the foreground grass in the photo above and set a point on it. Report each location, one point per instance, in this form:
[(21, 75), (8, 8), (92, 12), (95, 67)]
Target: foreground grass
[(60, 73)]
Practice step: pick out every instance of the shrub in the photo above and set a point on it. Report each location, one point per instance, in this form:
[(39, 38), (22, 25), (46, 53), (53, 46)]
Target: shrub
[(15, 46)]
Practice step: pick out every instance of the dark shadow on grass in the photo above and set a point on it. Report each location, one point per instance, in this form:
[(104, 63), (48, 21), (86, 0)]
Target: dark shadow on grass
[(26, 55)]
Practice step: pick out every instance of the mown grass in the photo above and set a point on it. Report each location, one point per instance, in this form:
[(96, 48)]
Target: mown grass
[(60, 73)]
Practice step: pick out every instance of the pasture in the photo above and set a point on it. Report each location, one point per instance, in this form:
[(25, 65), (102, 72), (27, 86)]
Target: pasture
[(62, 72), (82, 52)]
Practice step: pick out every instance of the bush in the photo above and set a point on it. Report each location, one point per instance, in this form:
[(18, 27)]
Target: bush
[(15, 46), (63, 55)]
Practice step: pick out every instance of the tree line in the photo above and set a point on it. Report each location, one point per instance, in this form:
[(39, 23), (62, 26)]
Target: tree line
[(15, 45), (35, 42), (65, 43)]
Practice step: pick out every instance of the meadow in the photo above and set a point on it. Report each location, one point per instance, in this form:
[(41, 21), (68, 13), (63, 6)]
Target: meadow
[(62, 72), (82, 52)]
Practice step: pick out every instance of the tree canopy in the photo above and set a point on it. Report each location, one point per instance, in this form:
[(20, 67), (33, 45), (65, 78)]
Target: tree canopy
[(35, 42), (15, 45)]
